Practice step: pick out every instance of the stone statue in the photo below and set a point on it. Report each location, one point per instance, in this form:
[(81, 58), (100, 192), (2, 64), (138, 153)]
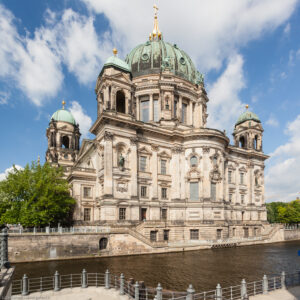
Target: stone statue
[(121, 161)]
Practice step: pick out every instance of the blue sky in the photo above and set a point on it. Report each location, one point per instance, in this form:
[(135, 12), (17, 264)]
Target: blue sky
[(248, 50)]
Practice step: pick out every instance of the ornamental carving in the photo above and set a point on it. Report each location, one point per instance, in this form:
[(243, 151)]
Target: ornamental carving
[(122, 187), (133, 140), (154, 148), (215, 175), (108, 136), (177, 149), (206, 149)]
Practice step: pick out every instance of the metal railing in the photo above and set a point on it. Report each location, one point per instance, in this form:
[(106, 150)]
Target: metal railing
[(138, 291)]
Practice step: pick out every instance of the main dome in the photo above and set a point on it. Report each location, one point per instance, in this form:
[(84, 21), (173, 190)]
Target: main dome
[(155, 56)]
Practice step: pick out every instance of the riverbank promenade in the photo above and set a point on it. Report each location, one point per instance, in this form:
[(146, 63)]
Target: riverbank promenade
[(290, 294)]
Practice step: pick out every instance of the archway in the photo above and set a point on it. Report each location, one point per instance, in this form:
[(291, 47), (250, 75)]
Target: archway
[(242, 142), (255, 142), (120, 102), (65, 142), (103, 243)]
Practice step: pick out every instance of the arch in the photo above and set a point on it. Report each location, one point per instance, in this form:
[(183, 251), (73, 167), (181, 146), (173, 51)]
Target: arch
[(255, 140), (120, 102), (242, 142), (103, 243), (65, 142)]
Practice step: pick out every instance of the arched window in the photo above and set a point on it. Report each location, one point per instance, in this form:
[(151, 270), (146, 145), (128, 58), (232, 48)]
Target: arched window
[(120, 102), (242, 142), (255, 142), (103, 243), (193, 161), (65, 142)]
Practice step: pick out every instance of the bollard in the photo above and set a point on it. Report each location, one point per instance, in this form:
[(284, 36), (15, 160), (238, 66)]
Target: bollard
[(56, 282), (107, 285), (159, 292), (84, 279), (122, 284), (218, 292), (283, 286), (25, 291), (4, 250), (136, 291), (265, 284), (244, 290), (190, 293)]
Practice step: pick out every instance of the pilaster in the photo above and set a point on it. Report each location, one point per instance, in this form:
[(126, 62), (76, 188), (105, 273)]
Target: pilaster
[(108, 163)]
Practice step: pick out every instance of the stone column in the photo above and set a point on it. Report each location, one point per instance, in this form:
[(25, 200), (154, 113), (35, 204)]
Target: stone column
[(206, 171), (133, 166), (179, 108), (151, 108), (198, 115), (108, 163), (138, 108), (175, 171), (107, 98), (250, 182), (154, 171), (190, 113)]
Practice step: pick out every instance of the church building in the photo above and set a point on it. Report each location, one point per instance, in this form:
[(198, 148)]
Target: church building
[(154, 165)]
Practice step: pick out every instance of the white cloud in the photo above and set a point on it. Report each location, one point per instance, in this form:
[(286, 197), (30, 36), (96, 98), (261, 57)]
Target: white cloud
[(287, 29), (4, 96), (84, 121), (272, 121), (225, 105), (282, 176), (9, 170), (210, 31)]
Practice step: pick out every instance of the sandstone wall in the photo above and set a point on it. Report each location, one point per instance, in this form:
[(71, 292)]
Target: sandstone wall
[(293, 234)]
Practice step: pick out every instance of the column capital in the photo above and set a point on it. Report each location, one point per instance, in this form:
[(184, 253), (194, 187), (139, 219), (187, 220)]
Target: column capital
[(177, 149), (154, 147), (108, 136), (133, 140)]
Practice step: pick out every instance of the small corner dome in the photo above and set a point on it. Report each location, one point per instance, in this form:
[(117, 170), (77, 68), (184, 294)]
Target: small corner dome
[(247, 116), (63, 115), (118, 63)]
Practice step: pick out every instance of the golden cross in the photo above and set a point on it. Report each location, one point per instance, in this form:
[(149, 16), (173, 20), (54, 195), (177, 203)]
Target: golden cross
[(155, 9)]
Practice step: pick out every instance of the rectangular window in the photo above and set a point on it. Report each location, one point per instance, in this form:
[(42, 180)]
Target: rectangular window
[(143, 161), (143, 191), (164, 193), (230, 197), (194, 234), (164, 214), (184, 113), (153, 235), (219, 234), (229, 176), (246, 232), (87, 214), (144, 110), (163, 167), (213, 191), (242, 178), (242, 199), (166, 235), (155, 111), (194, 191), (87, 192), (122, 213)]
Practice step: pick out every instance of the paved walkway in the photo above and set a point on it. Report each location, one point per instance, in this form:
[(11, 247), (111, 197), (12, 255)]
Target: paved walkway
[(91, 293), (290, 294)]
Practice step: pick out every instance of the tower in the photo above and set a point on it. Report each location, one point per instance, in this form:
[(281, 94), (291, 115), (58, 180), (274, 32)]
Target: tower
[(248, 131), (63, 138)]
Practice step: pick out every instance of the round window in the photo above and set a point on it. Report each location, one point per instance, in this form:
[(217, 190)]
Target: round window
[(145, 56), (182, 60)]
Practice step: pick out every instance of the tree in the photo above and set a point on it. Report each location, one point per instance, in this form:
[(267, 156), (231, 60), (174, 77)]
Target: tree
[(35, 196), (279, 212)]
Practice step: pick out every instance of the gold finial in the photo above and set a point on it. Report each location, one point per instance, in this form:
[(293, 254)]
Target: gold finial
[(247, 106), (63, 104), (155, 32), (115, 51)]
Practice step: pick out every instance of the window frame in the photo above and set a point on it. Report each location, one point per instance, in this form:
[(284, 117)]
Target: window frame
[(163, 166), (142, 164), (87, 209), (143, 191), (89, 196), (153, 235), (122, 213), (164, 193), (166, 234), (195, 183), (194, 234)]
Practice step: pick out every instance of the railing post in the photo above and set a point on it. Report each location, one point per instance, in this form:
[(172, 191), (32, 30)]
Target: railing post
[(34, 230), (283, 286), (107, 285), (136, 291), (84, 279), (25, 291), (190, 293), (244, 295), (122, 284), (265, 284), (159, 292), (47, 230), (4, 250), (56, 282), (218, 292)]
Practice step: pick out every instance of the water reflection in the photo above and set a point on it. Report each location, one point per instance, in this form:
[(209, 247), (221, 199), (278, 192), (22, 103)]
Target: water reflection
[(204, 268)]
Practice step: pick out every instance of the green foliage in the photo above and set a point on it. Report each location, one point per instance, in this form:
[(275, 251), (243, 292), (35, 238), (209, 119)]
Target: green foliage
[(35, 196), (279, 212)]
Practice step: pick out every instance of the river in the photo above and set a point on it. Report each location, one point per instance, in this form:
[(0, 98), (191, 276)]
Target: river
[(175, 271)]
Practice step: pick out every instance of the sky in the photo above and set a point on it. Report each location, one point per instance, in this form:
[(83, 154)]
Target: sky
[(248, 51)]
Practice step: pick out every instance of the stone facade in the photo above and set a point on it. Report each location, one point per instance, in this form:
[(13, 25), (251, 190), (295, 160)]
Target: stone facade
[(153, 162)]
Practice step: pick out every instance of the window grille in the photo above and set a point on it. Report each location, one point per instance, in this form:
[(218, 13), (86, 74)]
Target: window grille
[(122, 213)]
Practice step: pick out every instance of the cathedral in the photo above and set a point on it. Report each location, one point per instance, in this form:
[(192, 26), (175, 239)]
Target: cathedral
[(153, 164)]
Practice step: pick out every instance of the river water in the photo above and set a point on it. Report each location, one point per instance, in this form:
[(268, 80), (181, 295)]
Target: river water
[(175, 271)]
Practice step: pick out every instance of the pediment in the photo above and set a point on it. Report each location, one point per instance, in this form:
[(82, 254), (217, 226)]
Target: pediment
[(164, 154), (145, 151)]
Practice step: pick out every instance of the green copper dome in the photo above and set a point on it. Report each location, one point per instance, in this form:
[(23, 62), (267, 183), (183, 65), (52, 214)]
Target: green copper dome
[(114, 61), (64, 116), (156, 55), (247, 116)]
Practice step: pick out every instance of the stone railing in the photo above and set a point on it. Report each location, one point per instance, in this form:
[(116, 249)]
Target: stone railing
[(138, 290)]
